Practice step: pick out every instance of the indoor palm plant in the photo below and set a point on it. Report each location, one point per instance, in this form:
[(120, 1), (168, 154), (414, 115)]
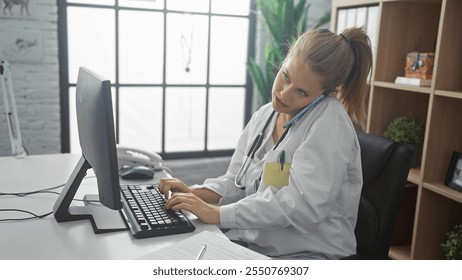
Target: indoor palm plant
[(284, 21)]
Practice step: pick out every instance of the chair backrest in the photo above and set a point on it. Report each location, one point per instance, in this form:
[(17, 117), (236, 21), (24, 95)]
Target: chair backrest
[(385, 166)]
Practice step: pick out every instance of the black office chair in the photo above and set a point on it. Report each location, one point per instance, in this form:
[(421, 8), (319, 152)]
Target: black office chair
[(385, 166)]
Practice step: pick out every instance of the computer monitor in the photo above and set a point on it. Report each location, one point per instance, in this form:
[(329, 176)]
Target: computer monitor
[(97, 139)]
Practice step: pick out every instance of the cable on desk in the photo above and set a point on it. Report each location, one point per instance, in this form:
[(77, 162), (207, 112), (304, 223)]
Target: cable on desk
[(22, 194), (87, 200), (35, 216), (45, 190)]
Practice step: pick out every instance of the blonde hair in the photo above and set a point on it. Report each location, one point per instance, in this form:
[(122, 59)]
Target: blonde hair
[(344, 61)]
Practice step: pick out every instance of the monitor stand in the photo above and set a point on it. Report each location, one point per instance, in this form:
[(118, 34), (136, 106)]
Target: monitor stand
[(103, 219)]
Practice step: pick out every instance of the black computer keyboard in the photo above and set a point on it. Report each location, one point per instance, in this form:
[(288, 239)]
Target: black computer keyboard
[(144, 212)]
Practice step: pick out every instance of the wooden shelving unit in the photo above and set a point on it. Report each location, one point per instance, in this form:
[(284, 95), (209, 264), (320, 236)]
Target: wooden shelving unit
[(437, 24)]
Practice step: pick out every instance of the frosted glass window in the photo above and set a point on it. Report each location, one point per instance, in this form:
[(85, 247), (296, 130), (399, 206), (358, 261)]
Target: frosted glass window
[(235, 7), (226, 117), (187, 45), (228, 50), (179, 67), (149, 4), (74, 132), (140, 117), (89, 44), (184, 119), (141, 47), (93, 2), (188, 5)]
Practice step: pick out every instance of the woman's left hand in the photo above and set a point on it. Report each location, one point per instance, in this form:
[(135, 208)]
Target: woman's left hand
[(209, 214)]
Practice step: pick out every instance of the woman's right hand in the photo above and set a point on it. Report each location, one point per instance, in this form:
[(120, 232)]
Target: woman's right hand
[(167, 185), (172, 185)]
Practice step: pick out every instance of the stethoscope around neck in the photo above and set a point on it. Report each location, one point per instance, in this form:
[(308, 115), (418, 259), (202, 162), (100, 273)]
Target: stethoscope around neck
[(259, 139)]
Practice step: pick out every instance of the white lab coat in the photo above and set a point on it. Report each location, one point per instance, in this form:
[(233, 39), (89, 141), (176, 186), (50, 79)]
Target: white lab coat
[(316, 213)]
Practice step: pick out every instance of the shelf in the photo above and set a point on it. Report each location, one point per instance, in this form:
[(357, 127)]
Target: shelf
[(451, 94), (400, 252), (425, 90), (444, 190), (448, 68), (414, 175), (390, 102), (429, 26)]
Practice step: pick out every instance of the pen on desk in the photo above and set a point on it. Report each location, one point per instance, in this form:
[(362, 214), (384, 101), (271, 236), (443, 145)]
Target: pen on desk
[(282, 159), (202, 252)]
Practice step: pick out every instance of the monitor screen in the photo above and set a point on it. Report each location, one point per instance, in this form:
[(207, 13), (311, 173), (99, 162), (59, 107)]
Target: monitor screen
[(97, 139)]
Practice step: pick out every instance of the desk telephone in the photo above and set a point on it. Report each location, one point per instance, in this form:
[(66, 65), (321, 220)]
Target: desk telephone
[(128, 157)]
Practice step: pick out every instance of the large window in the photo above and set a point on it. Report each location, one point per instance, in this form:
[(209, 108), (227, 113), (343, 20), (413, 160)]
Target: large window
[(178, 69)]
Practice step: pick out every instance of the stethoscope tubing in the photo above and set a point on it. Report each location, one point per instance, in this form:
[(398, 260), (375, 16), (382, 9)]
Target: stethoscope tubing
[(259, 138)]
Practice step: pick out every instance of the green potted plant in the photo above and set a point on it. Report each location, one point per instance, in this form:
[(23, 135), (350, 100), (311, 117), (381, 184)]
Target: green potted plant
[(452, 248), (409, 131), (284, 21)]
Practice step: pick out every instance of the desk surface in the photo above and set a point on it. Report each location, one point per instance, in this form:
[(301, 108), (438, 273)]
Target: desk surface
[(47, 239)]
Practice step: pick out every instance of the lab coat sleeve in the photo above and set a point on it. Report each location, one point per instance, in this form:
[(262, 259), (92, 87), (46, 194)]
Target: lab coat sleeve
[(318, 169)]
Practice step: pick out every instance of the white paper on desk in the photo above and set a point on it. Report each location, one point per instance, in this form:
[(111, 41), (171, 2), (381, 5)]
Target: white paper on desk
[(218, 248)]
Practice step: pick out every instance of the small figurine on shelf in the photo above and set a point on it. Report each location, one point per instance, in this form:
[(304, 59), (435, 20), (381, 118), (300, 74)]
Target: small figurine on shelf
[(418, 69), (452, 248), (419, 65)]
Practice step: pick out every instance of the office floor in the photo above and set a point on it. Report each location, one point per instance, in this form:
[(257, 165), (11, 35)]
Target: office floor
[(195, 171)]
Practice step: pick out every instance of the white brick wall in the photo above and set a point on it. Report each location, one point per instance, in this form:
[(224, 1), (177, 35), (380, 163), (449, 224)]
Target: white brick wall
[(36, 85)]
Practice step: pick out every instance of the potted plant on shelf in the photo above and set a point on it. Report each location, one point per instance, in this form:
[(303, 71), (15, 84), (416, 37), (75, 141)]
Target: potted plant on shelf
[(408, 131), (452, 248)]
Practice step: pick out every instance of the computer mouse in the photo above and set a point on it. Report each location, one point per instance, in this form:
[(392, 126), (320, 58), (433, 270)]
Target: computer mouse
[(137, 173)]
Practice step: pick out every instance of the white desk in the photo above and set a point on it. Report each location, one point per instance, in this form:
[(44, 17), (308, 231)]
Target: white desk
[(47, 239)]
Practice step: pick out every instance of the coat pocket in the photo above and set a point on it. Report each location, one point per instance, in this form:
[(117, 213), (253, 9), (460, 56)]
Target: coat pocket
[(276, 169)]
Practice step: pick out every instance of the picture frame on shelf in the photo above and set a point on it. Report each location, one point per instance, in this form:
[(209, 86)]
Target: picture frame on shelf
[(454, 175)]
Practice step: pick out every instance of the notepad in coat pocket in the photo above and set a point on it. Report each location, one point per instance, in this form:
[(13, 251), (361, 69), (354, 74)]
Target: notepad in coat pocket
[(276, 169)]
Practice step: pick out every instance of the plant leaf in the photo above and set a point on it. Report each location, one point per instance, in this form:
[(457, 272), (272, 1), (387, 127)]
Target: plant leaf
[(258, 78), (285, 20)]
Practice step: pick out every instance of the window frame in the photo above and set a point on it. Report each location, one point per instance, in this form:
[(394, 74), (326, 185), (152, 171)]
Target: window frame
[(65, 85)]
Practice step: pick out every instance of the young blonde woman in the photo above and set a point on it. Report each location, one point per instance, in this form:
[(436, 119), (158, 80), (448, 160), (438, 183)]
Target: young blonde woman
[(293, 185)]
